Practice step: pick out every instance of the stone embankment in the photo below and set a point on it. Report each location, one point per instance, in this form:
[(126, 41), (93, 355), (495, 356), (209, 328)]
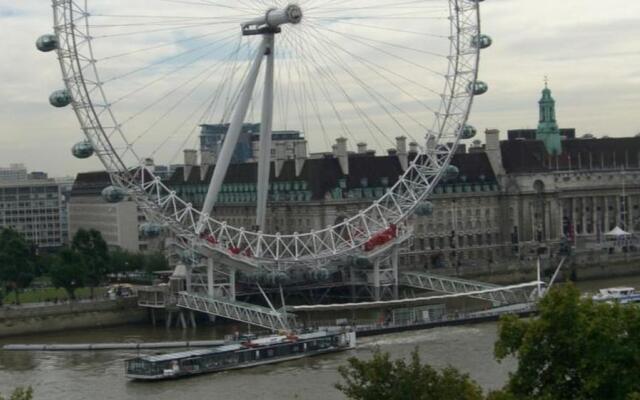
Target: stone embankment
[(583, 267), (41, 318)]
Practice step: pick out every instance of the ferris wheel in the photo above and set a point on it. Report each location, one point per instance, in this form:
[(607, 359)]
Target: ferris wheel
[(143, 75)]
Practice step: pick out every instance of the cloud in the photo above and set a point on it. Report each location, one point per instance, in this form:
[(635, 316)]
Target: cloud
[(589, 50)]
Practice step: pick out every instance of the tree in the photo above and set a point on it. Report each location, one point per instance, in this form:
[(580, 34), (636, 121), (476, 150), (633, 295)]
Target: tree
[(156, 262), (20, 394), (381, 378), (94, 256), (68, 271), (17, 268), (124, 261), (576, 349), (119, 261)]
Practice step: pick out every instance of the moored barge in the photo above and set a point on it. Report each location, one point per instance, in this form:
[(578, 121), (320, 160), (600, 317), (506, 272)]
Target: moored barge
[(250, 353)]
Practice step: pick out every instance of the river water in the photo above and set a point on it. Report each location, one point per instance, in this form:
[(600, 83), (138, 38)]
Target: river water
[(100, 375)]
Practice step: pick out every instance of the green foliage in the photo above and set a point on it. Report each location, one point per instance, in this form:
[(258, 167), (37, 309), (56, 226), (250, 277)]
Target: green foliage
[(20, 394), (381, 378), (156, 262), (17, 269), (93, 255), (576, 349), (49, 294), (119, 261), (502, 395), (68, 271), (124, 261)]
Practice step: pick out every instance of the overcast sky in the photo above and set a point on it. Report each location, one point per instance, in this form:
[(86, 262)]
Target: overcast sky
[(590, 50)]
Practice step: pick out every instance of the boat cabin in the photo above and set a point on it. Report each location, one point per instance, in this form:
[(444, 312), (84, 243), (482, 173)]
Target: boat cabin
[(237, 355)]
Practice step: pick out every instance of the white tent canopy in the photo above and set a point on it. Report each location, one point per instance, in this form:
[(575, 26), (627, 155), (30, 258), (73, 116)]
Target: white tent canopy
[(616, 233)]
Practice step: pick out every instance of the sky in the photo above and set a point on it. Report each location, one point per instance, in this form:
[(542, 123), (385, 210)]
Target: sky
[(589, 49)]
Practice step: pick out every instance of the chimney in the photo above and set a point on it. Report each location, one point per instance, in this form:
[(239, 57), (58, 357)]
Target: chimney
[(413, 148), (190, 161), (207, 159), (300, 151), (493, 150), (281, 156), (362, 148), (342, 155), (401, 145)]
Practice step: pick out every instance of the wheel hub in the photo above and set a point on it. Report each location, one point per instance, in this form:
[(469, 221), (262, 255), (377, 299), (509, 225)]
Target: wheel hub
[(273, 19)]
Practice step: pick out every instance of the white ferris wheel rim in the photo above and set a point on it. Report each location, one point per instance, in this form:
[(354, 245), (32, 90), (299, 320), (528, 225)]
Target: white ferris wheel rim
[(162, 205)]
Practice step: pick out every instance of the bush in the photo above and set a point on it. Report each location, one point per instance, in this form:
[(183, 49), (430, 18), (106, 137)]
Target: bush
[(381, 378)]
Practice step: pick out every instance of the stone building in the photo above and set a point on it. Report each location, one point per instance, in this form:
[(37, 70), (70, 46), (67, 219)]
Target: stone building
[(118, 223), (35, 208), (540, 188), (312, 193)]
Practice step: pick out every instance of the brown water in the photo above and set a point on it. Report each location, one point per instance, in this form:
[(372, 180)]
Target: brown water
[(100, 375)]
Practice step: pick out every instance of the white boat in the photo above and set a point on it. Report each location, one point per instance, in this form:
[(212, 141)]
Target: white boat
[(622, 295)]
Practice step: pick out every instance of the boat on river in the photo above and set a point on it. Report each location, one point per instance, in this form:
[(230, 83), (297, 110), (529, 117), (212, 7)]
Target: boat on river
[(622, 295), (245, 354)]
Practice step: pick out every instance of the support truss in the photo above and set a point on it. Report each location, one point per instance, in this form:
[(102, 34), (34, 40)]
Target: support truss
[(237, 311), (479, 290)]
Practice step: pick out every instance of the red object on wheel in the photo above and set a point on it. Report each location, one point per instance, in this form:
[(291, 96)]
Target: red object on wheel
[(212, 239), (381, 238)]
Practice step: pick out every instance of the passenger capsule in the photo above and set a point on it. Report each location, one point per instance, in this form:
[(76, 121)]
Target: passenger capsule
[(113, 194), (47, 43), (468, 132), (281, 278), (150, 231), (451, 173), (321, 274), (478, 88), (60, 98), (190, 257), (482, 41), (425, 209), (82, 150)]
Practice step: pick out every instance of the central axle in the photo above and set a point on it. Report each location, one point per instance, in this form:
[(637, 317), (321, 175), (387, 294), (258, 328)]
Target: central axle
[(272, 20)]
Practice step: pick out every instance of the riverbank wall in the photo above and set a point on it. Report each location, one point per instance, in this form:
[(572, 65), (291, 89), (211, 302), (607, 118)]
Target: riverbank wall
[(581, 267), (34, 319)]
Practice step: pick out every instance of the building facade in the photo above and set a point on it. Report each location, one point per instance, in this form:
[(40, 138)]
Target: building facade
[(212, 138), (539, 188), (118, 223), (12, 173), (511, 198), (36, 209)]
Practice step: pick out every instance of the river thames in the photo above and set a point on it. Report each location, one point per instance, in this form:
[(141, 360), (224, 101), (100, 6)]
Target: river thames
[(100, 375)]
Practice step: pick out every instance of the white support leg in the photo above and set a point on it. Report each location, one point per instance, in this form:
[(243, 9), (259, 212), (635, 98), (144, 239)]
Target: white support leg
[(394, 266), (188, 277), (266, 126), (210, 278), (232, 284), (232, 136), (376, 280)]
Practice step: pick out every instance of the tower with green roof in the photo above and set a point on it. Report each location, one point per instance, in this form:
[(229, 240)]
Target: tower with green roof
[(548, 130)]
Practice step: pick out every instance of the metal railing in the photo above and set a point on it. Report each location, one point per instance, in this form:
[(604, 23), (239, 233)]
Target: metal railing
[(237, 311), (451, 285)]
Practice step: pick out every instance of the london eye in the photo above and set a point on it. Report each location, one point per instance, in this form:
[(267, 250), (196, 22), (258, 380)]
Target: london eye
[(142, 77)]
